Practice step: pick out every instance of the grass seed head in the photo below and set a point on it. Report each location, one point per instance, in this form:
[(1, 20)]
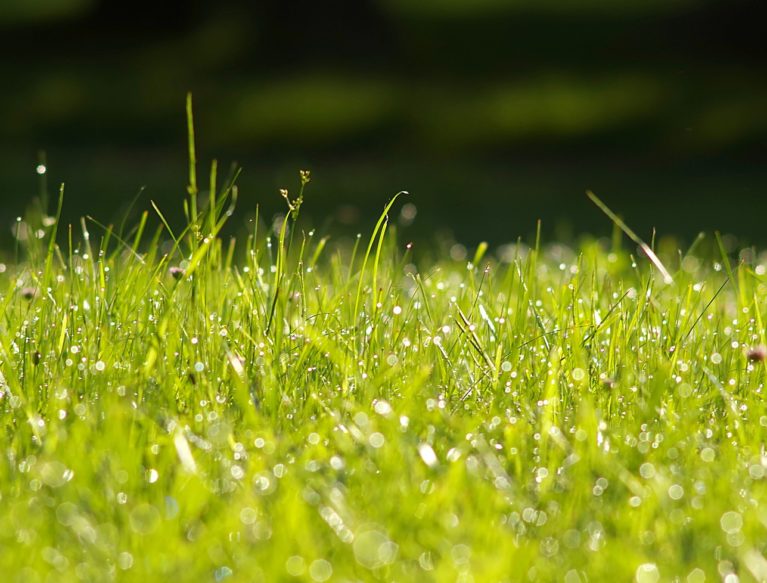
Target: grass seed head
[(176, 272), (757, 353)]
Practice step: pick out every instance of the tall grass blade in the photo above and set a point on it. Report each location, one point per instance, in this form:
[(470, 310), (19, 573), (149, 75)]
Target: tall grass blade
[(633, 236)]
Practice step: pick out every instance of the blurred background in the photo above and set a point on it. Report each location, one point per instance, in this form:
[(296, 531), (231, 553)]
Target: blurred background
[(492, 113)]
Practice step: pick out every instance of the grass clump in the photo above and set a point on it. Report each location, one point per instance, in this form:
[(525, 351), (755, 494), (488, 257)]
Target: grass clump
[(314, 413), (280, 408)]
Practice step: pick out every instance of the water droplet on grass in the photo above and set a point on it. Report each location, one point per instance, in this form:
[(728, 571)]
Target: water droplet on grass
[(427, 455), (647, 573), (125, 560), (373, 549), (144, 519), (320, 570), (377, 440), (675, 492), (295, 566), (731, 522), (248, 515), (382, 408), (461, 554), (54, 474), (647, 471)]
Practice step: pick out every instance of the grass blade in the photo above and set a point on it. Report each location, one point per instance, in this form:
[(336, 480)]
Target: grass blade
[(633, 236)]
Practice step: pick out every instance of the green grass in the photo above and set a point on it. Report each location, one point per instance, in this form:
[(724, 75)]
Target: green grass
[(179, 407)]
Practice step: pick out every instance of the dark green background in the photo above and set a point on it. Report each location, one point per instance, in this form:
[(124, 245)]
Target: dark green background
[(491, 113)]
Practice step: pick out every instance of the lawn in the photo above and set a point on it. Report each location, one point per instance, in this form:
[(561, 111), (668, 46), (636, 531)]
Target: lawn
[(180, 406)]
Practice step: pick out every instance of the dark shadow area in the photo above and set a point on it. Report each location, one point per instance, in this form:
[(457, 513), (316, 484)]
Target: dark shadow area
[(493, 114)]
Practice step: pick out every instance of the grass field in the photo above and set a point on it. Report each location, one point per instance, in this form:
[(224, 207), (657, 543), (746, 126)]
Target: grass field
[(282, 407)]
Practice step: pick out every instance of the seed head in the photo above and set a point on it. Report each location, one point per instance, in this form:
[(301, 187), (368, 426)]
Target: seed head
[(757, 353), (608, 382), (176, 272), (28, 293)]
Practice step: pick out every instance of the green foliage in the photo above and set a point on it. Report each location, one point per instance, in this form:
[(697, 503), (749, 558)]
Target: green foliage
[(200, 409)]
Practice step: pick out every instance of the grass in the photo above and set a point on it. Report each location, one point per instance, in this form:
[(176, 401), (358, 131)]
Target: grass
[(175, 406)]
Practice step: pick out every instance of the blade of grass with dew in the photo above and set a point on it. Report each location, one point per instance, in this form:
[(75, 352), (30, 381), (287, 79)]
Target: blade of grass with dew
[(631, 235)]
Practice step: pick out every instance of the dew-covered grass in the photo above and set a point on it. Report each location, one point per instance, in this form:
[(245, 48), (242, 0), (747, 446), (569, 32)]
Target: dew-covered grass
[(282, 407)]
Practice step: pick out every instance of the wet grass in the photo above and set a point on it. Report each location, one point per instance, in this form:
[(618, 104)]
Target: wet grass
[(282, 407)]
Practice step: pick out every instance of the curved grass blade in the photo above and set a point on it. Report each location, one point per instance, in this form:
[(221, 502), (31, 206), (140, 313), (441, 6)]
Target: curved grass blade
[(633, 236)]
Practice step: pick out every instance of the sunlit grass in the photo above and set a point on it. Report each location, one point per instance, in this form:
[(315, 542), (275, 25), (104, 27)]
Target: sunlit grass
[(281, 407)]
